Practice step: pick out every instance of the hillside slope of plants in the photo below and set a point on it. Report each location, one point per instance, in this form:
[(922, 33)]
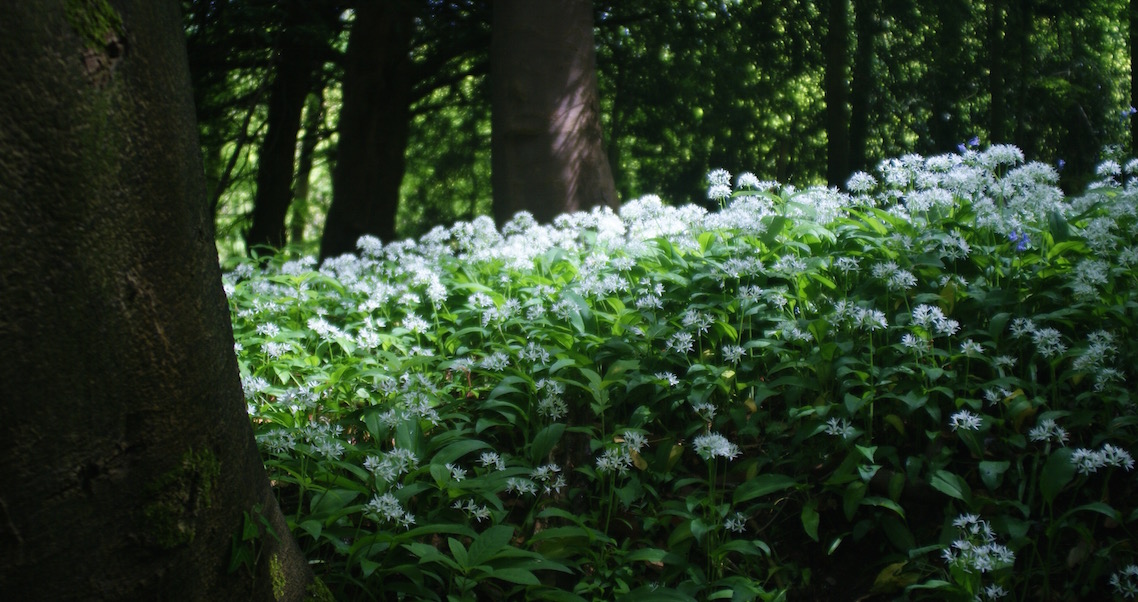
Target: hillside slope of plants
[(918, 390)]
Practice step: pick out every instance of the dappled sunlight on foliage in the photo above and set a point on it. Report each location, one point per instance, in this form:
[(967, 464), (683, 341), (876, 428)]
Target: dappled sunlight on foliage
[(920, 388)]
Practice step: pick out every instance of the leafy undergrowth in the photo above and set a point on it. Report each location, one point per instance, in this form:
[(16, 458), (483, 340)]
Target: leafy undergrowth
[(919, 390)]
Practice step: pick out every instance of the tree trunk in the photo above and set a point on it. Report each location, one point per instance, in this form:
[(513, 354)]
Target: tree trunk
[(547, 151), (294, 66), (861, 86), (127, 460), (374, 127), (313, 119), (948, 77), (1133, 39), (998, 127), (837, 93)]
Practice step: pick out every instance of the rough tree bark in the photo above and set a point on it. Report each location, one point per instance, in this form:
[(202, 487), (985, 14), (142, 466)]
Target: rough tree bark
[(546, 143), (374, 125), (126, 457), (307, 26)]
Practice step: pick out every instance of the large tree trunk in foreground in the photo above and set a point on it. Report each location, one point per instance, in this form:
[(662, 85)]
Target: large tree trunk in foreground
[(375, 122), (127, 461), (548, 157)]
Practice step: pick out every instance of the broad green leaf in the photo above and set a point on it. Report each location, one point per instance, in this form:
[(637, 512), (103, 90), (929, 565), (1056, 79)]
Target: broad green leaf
[(544, 441), (489, 543), (992, 472), (458, 449), (951, 485), (1057, 472), (459, 553), (519, 576), (764, 484), (810, 520)]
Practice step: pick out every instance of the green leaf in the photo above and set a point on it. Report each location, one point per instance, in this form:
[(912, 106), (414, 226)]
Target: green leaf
[(489, 543), (1100, 507), (1057, 472), (647, 555), (810, 520), (459, 553), (458, 449), (331, 501), (544, 441), (519, 576), (951, 485), (992, 472), (761, 485)]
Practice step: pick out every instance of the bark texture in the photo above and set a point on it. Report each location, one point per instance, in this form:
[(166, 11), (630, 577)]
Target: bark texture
[(547, 152), (126, 457), (374, 126)]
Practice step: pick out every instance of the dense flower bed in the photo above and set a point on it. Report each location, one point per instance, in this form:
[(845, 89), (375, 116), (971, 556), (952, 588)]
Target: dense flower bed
[(920, 389)]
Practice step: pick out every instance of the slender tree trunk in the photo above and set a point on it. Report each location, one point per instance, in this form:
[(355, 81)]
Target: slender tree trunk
[(547, 151), (837, 93), (296, 62), (127, 460), (313, 119), (998, 127), (861, 85), (1133, 39), (947, 76), (374, 127)]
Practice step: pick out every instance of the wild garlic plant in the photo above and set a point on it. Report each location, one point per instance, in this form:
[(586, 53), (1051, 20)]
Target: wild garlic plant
[(803, 387)]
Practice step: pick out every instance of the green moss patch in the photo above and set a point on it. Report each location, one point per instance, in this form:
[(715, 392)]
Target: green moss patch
[(177, 498)]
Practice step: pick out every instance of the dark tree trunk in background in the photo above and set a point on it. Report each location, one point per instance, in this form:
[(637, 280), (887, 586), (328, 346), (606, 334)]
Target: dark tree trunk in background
[(1133, 18), (998, 127), (837, 93), (861, 84), (374, 127), (947, 78), (313, 119), (547, 151), (307, 26), (1008, 35), (126, 456)]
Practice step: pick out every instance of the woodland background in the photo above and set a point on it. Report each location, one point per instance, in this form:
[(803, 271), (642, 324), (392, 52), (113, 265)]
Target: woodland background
[(794, 91)]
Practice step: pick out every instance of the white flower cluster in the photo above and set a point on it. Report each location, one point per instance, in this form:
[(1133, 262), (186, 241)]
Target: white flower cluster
[(736, 523), (714, 445), (1125, 582), (976, 550), (1089, 461), (1048, 430), (965, 420), (840, 427), (387, 508), (392, 464), (547, 478), (618, 458), (475, 511)]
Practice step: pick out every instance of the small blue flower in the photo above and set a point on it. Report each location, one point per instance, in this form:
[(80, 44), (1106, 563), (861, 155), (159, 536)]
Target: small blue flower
[(1127, 112), (1061, 163), (1021, 238), (973, 142)]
